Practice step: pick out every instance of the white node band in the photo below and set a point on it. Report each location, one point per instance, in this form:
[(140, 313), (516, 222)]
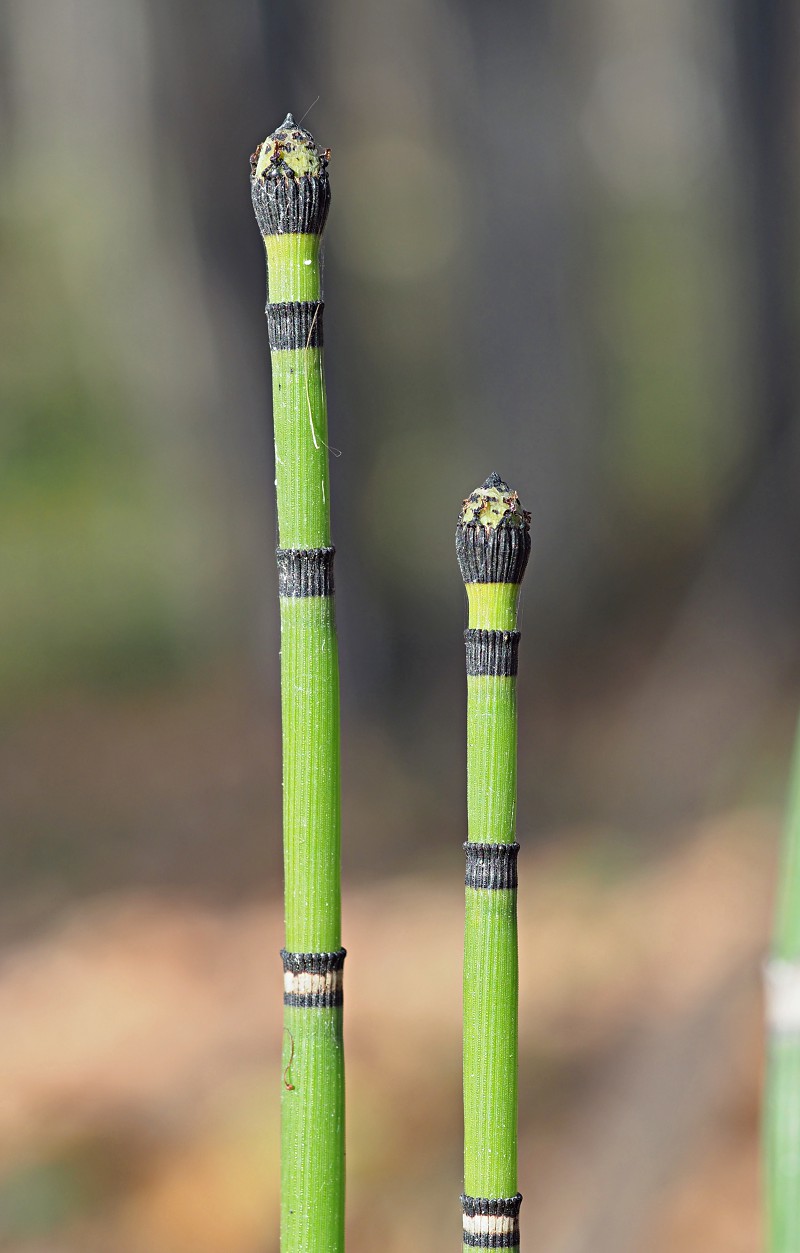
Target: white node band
[(782, 996)]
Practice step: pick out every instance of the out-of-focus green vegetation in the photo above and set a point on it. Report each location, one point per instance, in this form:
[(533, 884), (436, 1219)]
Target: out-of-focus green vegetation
[(88, 527)]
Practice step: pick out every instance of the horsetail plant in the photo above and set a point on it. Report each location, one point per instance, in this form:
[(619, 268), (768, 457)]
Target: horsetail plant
[(291, 196), (782, 1097), (492, 545)]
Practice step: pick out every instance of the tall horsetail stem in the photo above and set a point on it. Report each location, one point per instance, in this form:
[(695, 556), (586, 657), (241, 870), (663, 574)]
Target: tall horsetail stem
[(782, 1096), (492, 545), (291, 195)]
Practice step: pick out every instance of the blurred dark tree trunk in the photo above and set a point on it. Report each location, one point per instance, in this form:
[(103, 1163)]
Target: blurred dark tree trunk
[(765, 518), (291, 57)]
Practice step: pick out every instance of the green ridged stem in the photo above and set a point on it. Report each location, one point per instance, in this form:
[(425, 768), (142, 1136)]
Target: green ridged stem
[(490, 928), (782, 1092), (293, 267), (311, 779), (491, 757), (490, 1043), (299, 408), (312, 1124), (493, 606), (312, 1068)]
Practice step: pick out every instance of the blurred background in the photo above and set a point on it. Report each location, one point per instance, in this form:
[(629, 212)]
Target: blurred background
[(563, 246)]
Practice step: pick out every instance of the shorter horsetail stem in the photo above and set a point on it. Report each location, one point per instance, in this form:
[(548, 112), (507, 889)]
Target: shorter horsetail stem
[(782, 1096), (492, 545)]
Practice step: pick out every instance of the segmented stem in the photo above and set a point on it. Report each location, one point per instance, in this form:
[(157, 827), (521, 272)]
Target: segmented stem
[(782, 1095), (492, 543), (289, 185)]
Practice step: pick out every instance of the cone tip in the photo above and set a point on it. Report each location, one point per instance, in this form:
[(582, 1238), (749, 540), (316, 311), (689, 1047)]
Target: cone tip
[(494, 482), (290, 151), (494, 504)]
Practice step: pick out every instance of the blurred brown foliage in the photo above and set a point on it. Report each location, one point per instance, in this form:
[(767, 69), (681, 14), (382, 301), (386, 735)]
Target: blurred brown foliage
[(141, 1036)]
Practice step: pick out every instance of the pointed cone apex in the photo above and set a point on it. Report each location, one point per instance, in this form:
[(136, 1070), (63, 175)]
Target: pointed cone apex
[(493, 536), (289, 182), (290, 151), (494, 480), (494, 504)]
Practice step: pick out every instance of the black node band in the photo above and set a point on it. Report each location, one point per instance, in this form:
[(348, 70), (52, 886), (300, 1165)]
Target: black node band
[(287, 205), (305, 571), (492, 652), (492, 866), (491, 1224), (313, 963), (313, 980), (492, 555), (493, 1240), (314, 1000), (504, 1206), (293, 324)]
